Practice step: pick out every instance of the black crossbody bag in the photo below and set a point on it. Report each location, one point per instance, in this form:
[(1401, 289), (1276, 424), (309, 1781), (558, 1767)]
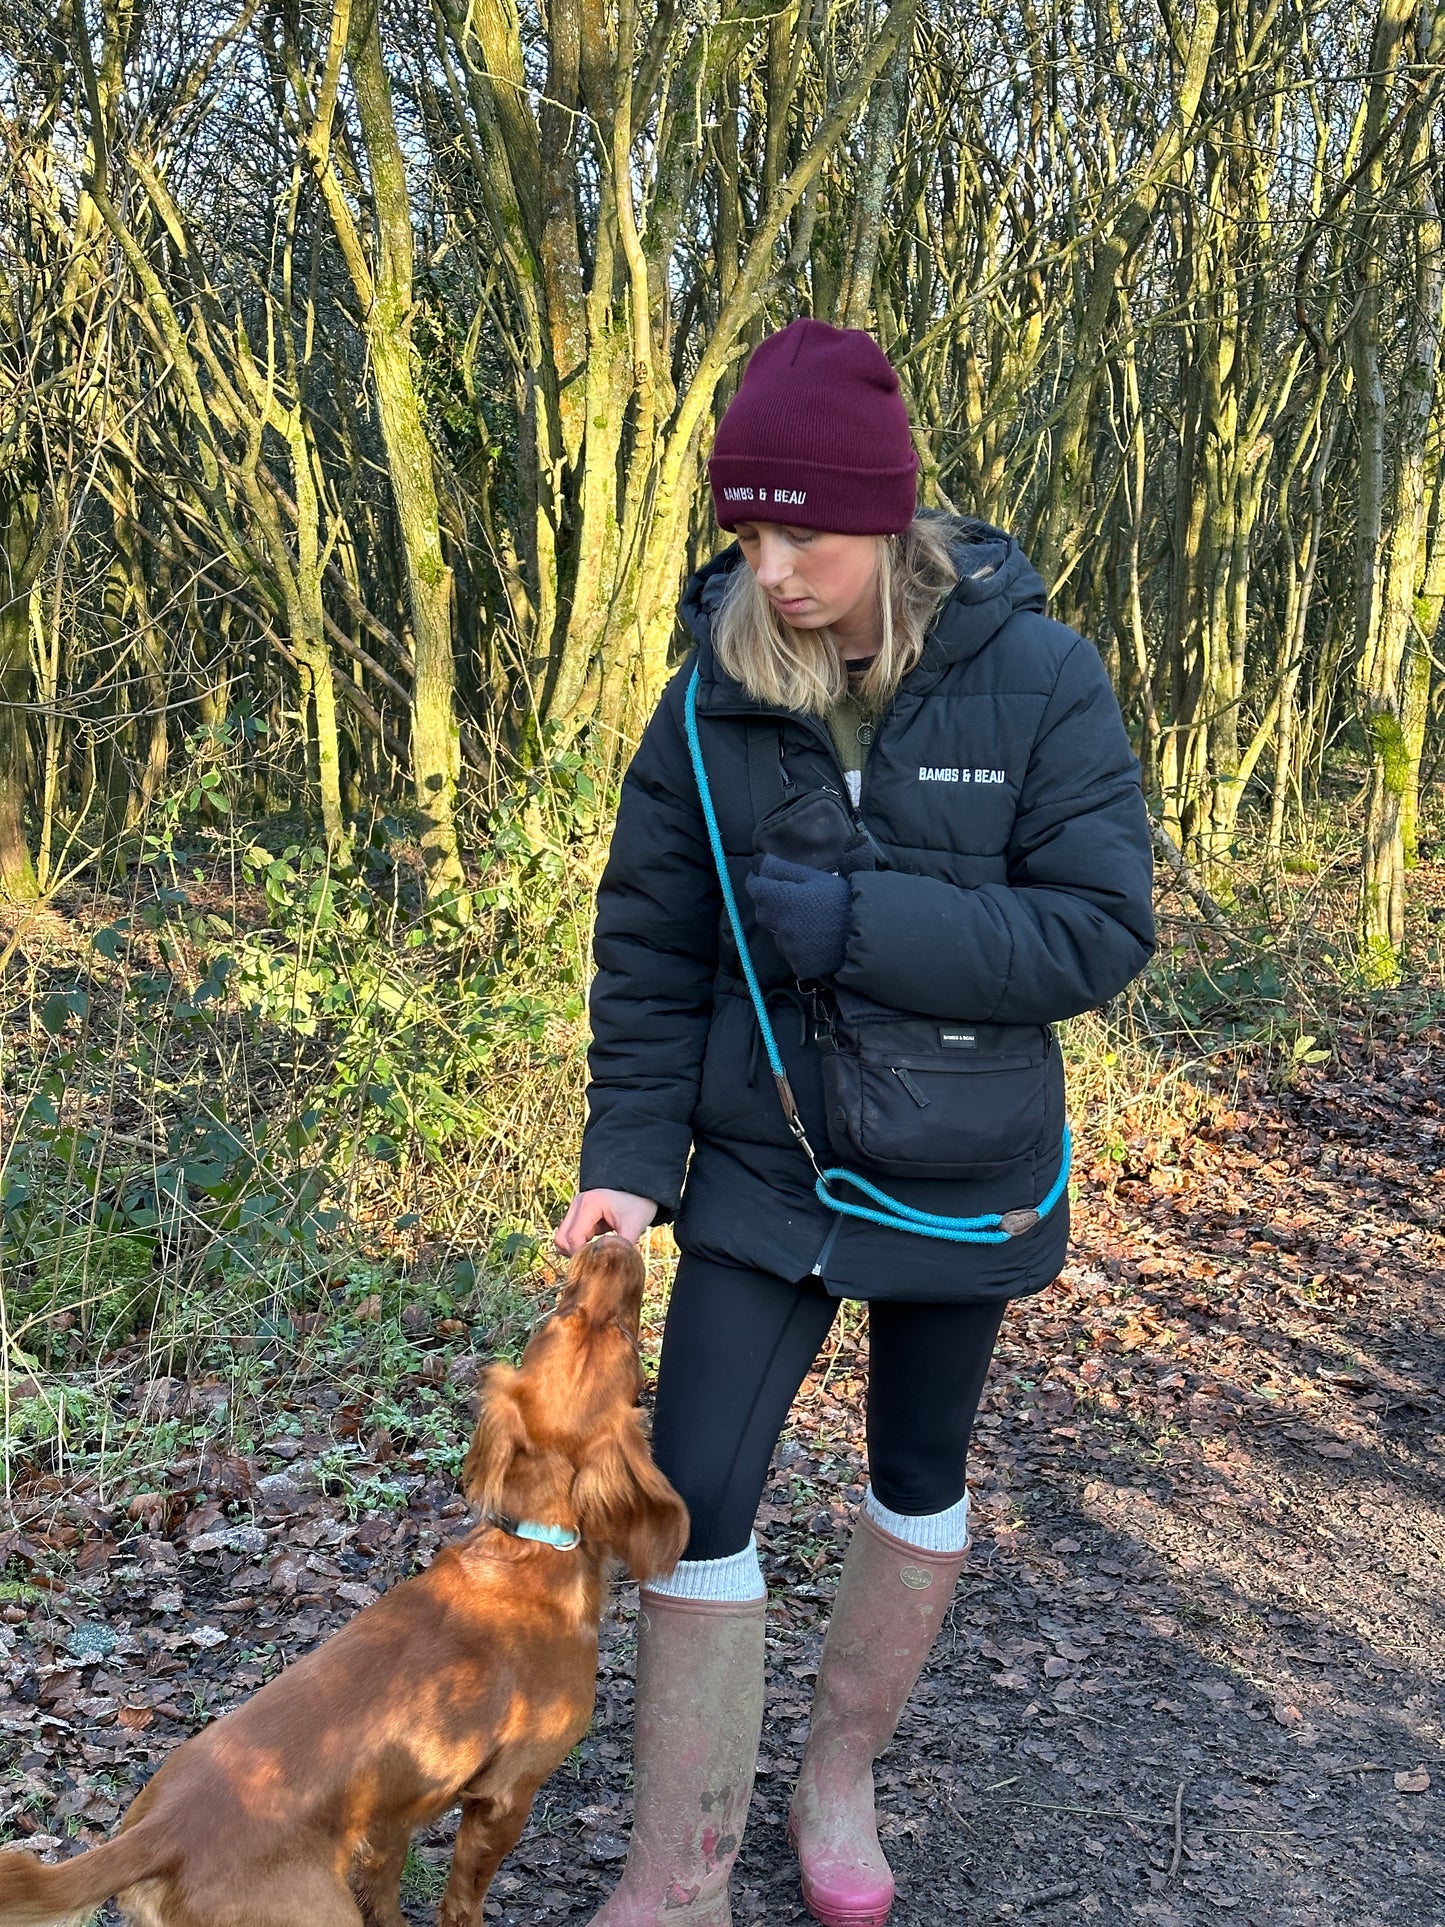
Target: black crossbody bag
[(908, 1096)]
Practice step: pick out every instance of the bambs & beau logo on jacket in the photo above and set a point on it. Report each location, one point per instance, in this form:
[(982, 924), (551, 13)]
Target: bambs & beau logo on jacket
[(931, 773)]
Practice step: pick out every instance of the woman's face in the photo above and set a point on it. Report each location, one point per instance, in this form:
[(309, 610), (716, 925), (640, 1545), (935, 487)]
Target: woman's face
[(817, 579)]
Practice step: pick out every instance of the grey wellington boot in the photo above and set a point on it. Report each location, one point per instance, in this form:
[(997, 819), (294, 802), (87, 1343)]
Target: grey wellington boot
[(699, 1714), (891, 1601)]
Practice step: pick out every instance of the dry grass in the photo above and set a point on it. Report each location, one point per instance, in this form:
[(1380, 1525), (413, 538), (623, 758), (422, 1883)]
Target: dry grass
[(479, 1036)]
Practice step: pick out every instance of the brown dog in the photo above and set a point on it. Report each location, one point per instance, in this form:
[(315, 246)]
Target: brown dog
[(470, 1682)]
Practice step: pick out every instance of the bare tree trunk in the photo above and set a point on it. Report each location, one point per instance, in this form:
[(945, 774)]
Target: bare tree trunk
[(1420, 673), (307, 624), (18, 882), (435, 738), (1057, 546), (613, 421), (885, 115), (153, 753), (1392, 508), (1302, 562), (1414, 716)]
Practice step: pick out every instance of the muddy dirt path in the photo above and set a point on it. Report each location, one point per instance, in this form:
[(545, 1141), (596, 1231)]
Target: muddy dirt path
[(1192, 1672)]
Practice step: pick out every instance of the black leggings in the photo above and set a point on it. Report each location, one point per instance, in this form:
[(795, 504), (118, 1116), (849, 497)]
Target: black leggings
[(736, 1347)]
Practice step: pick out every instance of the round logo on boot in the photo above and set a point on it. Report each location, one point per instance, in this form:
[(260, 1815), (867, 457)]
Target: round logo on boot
[(915, 1578)]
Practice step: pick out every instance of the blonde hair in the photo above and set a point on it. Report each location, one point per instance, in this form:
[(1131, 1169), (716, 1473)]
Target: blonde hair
[(801, 669)]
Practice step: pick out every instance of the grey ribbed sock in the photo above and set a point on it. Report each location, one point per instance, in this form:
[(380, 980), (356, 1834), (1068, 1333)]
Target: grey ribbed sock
[(738, 1576), (945, 1531)]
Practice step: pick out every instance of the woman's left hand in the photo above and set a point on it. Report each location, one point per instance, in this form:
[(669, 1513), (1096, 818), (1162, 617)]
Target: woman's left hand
[(591, 1212), (806, 913)]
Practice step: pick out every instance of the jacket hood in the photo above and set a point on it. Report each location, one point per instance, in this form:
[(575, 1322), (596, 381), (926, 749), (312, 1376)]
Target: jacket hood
[(995, 581)]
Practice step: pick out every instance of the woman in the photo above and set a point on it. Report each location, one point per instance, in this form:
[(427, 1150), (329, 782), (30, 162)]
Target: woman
[(988, 875)]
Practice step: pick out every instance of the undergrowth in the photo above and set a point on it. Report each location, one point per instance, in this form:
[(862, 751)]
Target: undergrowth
[(255, 1090), (255, 1107)]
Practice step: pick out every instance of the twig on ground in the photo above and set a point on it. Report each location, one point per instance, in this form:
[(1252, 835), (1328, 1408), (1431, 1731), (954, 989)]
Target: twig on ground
[(1178, 1830), (1062, 1890), (1174, 1820), (1187, 877), (1092, 1813), (1216, 1833)]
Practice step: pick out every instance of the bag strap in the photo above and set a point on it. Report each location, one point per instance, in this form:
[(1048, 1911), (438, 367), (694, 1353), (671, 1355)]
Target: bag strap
[(990, 1228), (768, 783)]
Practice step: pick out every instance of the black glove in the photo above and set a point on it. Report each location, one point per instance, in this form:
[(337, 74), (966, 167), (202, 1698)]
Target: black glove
[(806, 913)]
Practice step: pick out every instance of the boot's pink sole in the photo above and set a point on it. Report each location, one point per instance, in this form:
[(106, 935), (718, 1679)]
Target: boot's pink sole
[(835, 1911)]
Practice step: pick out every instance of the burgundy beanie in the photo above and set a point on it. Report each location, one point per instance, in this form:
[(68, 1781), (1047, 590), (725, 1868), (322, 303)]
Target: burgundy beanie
[(816, 437)]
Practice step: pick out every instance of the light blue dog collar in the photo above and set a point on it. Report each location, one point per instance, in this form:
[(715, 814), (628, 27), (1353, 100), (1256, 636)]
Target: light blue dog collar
[(565, 1538)]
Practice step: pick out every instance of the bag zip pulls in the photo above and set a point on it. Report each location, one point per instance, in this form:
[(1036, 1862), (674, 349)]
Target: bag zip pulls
[(789, 786), (910, 1085)]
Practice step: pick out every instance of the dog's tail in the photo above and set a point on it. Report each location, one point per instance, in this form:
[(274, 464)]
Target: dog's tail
[(34, 1895)]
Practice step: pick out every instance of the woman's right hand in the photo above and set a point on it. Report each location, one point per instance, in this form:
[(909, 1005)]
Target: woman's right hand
[(594, 1211)]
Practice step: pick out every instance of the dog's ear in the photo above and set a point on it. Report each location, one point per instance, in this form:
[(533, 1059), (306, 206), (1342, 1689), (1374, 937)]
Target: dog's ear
[(500, 1435), (624, 1502)]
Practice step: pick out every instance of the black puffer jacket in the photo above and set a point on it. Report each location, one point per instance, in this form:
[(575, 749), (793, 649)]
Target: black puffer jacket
[(1003, 793)]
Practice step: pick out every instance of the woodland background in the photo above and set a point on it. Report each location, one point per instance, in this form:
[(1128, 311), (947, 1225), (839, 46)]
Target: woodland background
[(356, 369), (357, 366)]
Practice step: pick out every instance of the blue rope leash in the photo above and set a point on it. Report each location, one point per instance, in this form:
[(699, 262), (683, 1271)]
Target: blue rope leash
[(991, 1228)]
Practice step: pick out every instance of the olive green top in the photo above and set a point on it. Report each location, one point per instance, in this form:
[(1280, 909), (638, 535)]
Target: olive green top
[(850, 724)]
